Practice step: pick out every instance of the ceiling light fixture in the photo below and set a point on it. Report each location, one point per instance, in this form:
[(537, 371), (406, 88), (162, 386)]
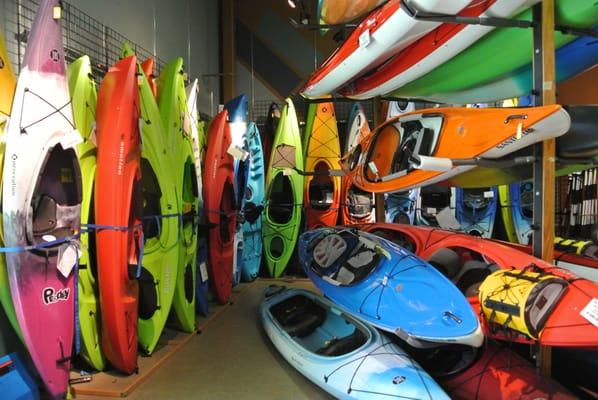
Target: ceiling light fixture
[(292, 3)]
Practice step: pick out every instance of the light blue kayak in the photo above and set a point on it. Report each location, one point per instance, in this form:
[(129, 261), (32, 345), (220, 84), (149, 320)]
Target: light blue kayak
[(521, 202), (347, 358), (237, 114), (400, 206), (254, 205), (388, 287), (475, 209)]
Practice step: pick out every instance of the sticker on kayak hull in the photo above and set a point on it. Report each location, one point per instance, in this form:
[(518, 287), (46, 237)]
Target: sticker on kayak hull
[(590, 312), (51, 296)]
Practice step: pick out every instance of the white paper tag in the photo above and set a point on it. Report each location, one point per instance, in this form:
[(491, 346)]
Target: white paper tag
[(237, 152), (590, 312), (220, 107), (67, 258), (287, 172), (92, 136), (430, 210), (186, 123), (446, 219), (329, 197), (489, 194), (48, 238), (203, 272), (364, 38), (71, 139)]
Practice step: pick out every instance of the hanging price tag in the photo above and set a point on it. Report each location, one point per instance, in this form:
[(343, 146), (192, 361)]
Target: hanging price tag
[(365, 38), (71, 139), (489, 194), (590, 312), (203, 272), (67, 258)]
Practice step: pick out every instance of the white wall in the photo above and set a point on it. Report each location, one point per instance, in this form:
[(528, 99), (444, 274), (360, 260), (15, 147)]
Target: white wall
[(177, 24), (165, 28)]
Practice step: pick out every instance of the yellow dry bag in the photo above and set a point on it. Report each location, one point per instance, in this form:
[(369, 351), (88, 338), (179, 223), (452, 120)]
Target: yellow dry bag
[(521, 300)]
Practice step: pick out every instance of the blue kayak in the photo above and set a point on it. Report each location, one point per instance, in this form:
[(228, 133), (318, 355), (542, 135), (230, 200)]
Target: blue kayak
[(237, 115), (521, 204), (346, 357), (388, 286), (475, 209), (254, 205), (400, 206)]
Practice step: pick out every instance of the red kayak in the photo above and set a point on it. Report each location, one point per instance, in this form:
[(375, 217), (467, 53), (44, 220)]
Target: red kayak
[(467, 260), (220, 206), (118, 205), (499, 373)]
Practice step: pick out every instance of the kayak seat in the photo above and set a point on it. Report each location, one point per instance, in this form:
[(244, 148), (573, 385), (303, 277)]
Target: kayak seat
[(356, 268), (446, 261), (303, 321), (344, 345), (52, 218)]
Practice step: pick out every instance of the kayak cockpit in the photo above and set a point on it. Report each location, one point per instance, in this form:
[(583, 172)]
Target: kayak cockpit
[(317, 327), (344, 258)]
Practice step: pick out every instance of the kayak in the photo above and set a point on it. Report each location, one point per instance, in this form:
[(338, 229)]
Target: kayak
[(344, 356), (83, 99), (493, 372), (322, 154), (237, 115), (434, 145), (517, 201), (357, 206), (475, 209), (501, 51), (172, 101), (284, 193), (334, 12), (577, 150), (432, 50), (197, 131), (41, 202), (119, 185), (400, 206), (252, 210), (267, 134), (8, 83), (433, 200), (389, 287), (571, 59), (219, 200), (383, 33), (159, 262), (15, 379), (468, 260), (147, 66)]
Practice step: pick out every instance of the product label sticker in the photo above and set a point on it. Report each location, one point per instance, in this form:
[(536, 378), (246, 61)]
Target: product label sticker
[(446, 219), (237, 152), (365, 38), (489, 194), (71, 139), (67, 258), (203, 272), (590, 312), (287, 172), (430, 210)]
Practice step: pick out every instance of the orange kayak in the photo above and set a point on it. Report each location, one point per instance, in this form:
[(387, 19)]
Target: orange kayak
[(118, 202), (468, 260), (342, 11), (357, 206), (424, 147), (323, 151)]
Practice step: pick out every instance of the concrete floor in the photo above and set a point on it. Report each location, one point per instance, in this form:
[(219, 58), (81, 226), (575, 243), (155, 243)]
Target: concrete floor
[(231, 359)]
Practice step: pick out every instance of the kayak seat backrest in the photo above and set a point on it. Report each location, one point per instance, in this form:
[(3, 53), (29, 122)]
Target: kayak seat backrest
[(360, 203), (344, 345), (446, 261), (55, 219), (356, 267), (328, 250), (425, 146)]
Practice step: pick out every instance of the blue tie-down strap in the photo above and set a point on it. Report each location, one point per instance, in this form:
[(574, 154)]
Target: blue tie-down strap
[(39, 246), (99, 227), (77, 323)]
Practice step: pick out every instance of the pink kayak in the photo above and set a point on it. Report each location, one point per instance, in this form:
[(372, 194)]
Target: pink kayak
[(41, 201)]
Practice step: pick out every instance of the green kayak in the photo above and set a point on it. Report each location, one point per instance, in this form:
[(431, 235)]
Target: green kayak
[(7, 88), (160, 253), (83, 92), (284, 193), (501, 51), (175, 115)]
